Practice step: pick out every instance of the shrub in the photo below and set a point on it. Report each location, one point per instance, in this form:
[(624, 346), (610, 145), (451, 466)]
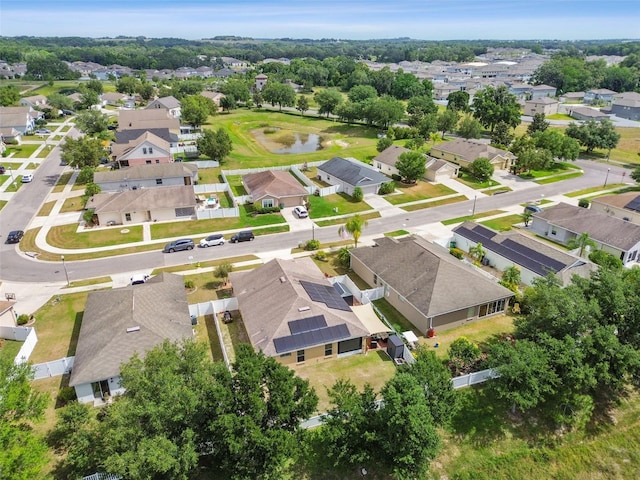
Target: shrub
[(312, 245), (387, 187), (23, 319), (267, 210), (456, 252), (321, 255), (87, 216), (583, 202), (67, 394), (189, 284), (358, 194)]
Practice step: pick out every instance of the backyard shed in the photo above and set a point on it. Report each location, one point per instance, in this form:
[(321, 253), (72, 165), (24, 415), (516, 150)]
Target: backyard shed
[(395, 347)]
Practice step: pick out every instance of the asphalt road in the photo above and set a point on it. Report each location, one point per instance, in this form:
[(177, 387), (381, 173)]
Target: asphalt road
[(16, 266)]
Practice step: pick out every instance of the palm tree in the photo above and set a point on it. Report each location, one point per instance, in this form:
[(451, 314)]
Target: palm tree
[(478, 252), (353, 227), (511, 276), (582, 241), (526, 217)]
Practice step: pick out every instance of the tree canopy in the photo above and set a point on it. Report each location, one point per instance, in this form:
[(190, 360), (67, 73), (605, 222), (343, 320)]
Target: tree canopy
[(411, 166), (594, 134), (215, 144), (494, 105), (85, 151)]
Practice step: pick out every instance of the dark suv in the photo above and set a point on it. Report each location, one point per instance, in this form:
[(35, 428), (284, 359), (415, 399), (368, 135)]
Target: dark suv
[(245, 236), (15, 236), (177, 245)]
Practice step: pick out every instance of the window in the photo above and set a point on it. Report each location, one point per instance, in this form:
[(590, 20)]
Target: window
[(150, 150), (144, 150), (267, 203), (127, 217), (285, 355), (147, 162), (300, 356), (157, 161), (553, 231), (375, 279), (158, 181), (492, 307), (328, 349)]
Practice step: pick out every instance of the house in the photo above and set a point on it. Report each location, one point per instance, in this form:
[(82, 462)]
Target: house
[(438, 170), (463, 152), (147, 120), (119, 323), (147, 176), (215, 96), (562, 223), (261, 81), (599, 96), (124, 137), (626, 105), (292, 313), (8, 317), (21, 119), (35, 101), (113, 98), (545, 105), (349, 174), (572, 97), (273, 188), (170, 103), (625, 206), (441, 91), (147, 149), (386, 160), (9, 135), (542, 91), (532, 257), (430, 287), (586, 113), (143, 205)]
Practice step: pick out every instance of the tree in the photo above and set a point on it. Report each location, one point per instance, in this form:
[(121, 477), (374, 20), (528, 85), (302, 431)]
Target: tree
[(447, 121), (409, 439), (636, 174), (23, 452), (88, 98), (606, 260), (494, 105), (90, 190), (385, 142), (353, 227), (255, 426), (477, 252), (420, 106), (145, 90), (581, 242), (222, 271), (238, 88), (511, 276), (344, 257), (469, 127), (539, 124), (215, 144), (559, 145), (463, 355), (526, 217), (594, 134), (9, 94), (383, 112), (328, 101), (533, 159), (279, 94), (411, 166), (407, 85), (360, 93), (86, 175), (302, 105), (95, 85), (481, 168), (501, 135), (228, 103), (127, 84), (84, 151), (92, 122), (458, 101), (196, 109), (59, 101), (358, 194)]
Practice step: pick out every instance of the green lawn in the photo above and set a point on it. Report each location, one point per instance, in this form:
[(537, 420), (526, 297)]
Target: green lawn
[(236, 186), (9, 348), (62, 181), (394, 317), (557, 168), (336, 204), (2, 204), (342, 220), (209, 175), (65, 236), (587, 191), (559, 116), (420, 191), (397, 233), (452, 221), (558, 178), (474, 183), (502, 224), (435, 203), (72, 204), (46, 209), (22, 151), (11, 165)]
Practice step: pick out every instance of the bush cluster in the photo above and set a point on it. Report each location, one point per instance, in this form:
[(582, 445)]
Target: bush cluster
[(456, 252), (312, 245), (386, 188), (267, 210)]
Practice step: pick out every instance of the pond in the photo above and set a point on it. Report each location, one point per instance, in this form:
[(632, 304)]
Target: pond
[(298, 143)]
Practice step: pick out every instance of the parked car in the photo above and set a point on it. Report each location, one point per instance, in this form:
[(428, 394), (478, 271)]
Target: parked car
[(2, 169), (27, 177), (42, 131), (15, 236), (177, 245), (244, 236), (532, 209), (139, 278), (212, 240), (300, 212)]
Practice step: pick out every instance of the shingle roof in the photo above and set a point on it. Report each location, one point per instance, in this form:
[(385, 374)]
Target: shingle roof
[(169, 102), (544, 100), (144, 172), (125, 136), (620, 201), (272, 183), (600, 227), (143, 199), (159, 307), (14, 116), (470, 150), (353, 173), (147, 119), (120, 149), (427, 276), (272, 295), (389, 156)]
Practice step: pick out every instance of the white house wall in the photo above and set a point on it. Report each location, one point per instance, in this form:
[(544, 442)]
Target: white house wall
[(139, 184), (84, 392)]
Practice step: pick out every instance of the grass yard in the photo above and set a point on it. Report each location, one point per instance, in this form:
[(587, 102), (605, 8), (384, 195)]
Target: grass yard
[(342, 220), (206, 332), (2, 204), (397, 233), (236, 186), (209, 263), (557, 168), (248, 152), (22, 151), (62, 181), (420, 191), (209, 175), (559, 116), (336, 204), (558, 178), (474, 183), (9, 348), (66, 236), (332, 267), (394, 317), (14, 186), (626, 151), (452, 221), (587, 191), (435, 203), (374, 368), (90, 281), (11, 165), (58, 325), (72, 204), (502, 224), (233, 334)]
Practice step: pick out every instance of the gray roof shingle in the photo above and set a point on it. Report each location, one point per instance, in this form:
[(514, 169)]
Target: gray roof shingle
[(353, 173)]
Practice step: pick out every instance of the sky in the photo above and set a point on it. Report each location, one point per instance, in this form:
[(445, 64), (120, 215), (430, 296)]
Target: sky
[(345, 19)]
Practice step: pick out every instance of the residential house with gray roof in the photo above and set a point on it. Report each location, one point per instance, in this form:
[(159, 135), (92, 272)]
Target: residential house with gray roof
[(586, 113), (599, 95), (147, 149), (626, 105), (625, 206), (119, 323), (147, 120), (463, 152), (273, 188), (430, 287), (349, 174), (147, 176), (21, 119), (544, 105), (562, 223), (170, 104)]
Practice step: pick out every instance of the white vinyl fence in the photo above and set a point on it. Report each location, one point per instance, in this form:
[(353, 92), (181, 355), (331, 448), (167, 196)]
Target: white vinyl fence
[(55, 368), (209, 213), (210, 187), (214, 307), (473, 378), (363, 296), (21, 334)]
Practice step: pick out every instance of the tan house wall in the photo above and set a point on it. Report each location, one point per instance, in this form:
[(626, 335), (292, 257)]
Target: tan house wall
[(312, 355), (618, 212), (287, 201), (547, 108), (450, 157), (143, 161)]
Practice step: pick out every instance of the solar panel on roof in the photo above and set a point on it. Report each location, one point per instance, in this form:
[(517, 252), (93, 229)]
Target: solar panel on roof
[(307, 324), (311, 338), (634, 204), (325, 294)]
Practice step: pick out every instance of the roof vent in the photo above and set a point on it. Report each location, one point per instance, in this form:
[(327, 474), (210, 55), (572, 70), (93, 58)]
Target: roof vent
[(283, 279), (304, 309), (133, 329)]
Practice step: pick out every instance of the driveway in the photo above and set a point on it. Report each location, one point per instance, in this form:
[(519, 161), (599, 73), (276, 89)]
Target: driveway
[(296, 224)]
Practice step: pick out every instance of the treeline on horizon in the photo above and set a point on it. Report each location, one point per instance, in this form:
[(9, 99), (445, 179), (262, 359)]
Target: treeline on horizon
[(171, 53)]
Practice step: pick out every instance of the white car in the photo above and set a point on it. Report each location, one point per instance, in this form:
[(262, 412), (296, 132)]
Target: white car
[(300, 212), (27, 177), (139, 278), (212, 240)]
